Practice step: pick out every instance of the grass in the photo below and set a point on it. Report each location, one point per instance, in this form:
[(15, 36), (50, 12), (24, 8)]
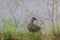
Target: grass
[(11, 29)]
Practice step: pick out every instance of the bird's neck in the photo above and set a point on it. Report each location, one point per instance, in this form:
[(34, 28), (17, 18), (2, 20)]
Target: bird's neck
[(32, 21)]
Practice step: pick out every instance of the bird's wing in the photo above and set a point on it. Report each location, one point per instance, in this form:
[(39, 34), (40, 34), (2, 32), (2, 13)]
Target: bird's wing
[(36, 26)]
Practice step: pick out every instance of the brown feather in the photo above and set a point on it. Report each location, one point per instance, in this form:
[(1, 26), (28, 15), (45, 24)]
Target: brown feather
[(32, 27)]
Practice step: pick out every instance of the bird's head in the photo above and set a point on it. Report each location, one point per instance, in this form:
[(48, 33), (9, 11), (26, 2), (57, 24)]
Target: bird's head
[(33, 18)]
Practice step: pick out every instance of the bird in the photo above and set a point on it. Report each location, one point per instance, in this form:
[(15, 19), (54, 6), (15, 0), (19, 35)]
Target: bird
[(33, 27)]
